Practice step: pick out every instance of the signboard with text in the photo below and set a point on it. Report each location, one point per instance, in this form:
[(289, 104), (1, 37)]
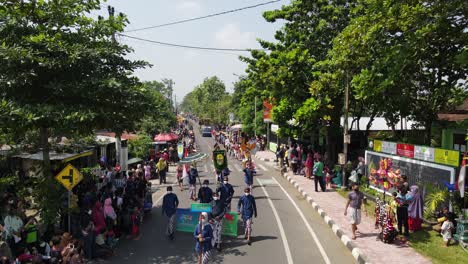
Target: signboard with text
[(448, 157), (405, 150), (424, 153)]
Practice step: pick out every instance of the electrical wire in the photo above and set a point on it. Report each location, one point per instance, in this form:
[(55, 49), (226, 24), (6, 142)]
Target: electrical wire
[(203, 17), (184, 46)]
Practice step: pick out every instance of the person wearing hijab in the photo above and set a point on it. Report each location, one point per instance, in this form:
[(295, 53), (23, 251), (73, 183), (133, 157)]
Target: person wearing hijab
[(109, 213), (98, 218), (415, 209), (203, 234), (161, 166)]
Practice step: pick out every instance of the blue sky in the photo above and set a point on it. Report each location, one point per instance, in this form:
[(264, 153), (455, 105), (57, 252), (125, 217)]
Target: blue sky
[(188, 67)]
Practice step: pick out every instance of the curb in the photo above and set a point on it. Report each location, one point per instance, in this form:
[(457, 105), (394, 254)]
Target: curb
[(355, 251)]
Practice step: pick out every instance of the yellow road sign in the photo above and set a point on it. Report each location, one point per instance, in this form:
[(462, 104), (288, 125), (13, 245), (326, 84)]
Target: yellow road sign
[(69, 177)]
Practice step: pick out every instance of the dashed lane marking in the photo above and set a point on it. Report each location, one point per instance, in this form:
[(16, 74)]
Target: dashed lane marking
[(262, 167), (280, 225), (311, 231)]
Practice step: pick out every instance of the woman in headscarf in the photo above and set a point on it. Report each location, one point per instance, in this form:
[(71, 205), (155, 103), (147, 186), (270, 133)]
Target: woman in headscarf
[(109, 213), (98, 218), (203, 234), (415, 209), (161, 166)]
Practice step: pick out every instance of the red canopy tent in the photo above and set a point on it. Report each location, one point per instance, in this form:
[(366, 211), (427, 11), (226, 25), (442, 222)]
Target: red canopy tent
[(166, 137)]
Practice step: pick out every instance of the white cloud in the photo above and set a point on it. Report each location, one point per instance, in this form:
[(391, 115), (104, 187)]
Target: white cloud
[(189, 7), (231, 36)]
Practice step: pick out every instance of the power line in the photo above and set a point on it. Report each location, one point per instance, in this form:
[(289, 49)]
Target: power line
[(203, 17), (183, 46)]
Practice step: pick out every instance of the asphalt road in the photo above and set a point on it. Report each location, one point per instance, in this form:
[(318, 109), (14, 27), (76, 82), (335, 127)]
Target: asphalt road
[(286, 231)]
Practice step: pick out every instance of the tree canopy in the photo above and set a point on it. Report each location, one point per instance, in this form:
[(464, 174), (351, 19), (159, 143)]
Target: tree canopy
[(399, 59)]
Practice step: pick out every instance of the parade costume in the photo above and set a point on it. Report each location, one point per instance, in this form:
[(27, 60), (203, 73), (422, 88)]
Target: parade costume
[(247, 208), (206, 232), (225, 191), (169, 207), (217, 214)]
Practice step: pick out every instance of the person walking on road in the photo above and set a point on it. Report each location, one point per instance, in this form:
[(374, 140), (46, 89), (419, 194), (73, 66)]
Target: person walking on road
[(217, 215), (318, 174), (205, 194), (161, 166), (355, 201), (203, 234), (247, 208), (193, 174), (225, 191), (248, 175), (169, 208)]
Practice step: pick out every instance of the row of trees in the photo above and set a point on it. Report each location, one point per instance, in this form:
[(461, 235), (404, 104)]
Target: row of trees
[(209, 101), (400, 59), (62, 73)]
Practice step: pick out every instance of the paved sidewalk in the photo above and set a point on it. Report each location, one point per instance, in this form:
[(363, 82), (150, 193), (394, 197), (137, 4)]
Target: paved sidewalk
[(367, 248)]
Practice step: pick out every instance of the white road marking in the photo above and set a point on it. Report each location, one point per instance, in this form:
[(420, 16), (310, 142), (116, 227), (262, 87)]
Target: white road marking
[(311, 231), (206, 168), (280, 225), (262, 167), (237, 167)]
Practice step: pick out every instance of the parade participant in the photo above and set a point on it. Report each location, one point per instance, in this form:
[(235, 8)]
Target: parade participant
[(169, 208), (161, 166), (248, 175), (225, 191), (180, 170), (355, 201), (205, 194), (203, 234), (217, 214), (193, 174), (247, 208)]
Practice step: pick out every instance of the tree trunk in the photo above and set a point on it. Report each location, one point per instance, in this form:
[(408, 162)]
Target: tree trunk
[(334, 135), (427, 132), (118, 147), (44, 143)]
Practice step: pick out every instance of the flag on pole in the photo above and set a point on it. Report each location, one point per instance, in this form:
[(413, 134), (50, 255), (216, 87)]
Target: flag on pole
[(462, 177)]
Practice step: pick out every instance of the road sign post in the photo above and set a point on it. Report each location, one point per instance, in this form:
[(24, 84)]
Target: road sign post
[(69, 177)]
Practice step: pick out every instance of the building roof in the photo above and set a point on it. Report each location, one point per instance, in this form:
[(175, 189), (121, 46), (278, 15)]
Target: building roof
[(379, 124), (54, 155), (128, 136), (460, 113)]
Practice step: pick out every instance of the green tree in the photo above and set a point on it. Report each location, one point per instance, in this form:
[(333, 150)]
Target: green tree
[(209, 100), (63, 72)]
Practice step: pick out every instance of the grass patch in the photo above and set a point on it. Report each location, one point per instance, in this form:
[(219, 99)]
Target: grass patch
[(427, 242)]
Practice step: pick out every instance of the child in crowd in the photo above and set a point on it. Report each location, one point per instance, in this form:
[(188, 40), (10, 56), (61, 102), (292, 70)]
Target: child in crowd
[(135, 224), (446, 231)]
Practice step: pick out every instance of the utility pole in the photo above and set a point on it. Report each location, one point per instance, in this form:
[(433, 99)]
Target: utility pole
[(175, 103), (118, 139), (346, 137)]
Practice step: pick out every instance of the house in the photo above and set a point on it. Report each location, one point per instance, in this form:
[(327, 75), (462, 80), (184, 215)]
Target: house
[(454, 124)]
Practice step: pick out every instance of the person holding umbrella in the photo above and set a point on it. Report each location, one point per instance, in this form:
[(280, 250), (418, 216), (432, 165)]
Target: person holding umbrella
[(203, 234)]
